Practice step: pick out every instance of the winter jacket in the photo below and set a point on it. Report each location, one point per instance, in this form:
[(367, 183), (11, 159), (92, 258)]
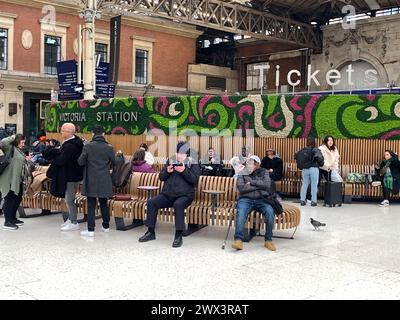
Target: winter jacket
[(260, 184), (68, 158), (395, 171), (331, 158), (10, 179), (142, 166), (97, 158), (178, 184), (276, 164)]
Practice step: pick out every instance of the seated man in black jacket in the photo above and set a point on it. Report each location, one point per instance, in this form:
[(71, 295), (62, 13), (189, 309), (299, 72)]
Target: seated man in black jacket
[(180, 176), (254, 186)]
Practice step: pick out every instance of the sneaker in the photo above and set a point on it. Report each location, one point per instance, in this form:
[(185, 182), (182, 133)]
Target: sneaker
[(65, 223), (313, 204), (269, 245), (106, 230), (18, 222), (384, 203), (302, 203), (70, 227), (86, 233), (10, 226)]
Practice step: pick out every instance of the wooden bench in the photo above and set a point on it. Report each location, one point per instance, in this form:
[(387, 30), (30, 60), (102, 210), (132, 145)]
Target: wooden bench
[(198, 214)]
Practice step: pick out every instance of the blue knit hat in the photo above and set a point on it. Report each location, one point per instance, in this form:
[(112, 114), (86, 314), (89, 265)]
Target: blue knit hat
[(182, 148)]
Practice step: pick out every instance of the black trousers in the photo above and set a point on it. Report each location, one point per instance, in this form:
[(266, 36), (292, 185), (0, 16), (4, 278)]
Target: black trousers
[(386, 192), (11, 205), (91, 216), (162, 201)]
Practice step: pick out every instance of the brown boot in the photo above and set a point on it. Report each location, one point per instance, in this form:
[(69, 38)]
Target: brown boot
[(238, 245), (269, 245)]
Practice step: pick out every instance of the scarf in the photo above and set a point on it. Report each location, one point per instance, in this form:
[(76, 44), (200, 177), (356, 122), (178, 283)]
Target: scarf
[(388, 178)]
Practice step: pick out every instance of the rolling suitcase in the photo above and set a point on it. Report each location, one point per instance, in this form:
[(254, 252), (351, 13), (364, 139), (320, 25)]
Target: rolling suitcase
[(333, 194)]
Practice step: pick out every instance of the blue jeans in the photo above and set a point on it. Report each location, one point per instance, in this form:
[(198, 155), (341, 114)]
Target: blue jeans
[(244, 206), (309, 176)]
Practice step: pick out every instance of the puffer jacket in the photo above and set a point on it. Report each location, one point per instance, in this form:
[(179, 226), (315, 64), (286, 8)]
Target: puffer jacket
[(260, 184)]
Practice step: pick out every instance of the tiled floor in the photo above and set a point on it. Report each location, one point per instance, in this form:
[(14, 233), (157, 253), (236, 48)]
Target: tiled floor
[(357, 256)]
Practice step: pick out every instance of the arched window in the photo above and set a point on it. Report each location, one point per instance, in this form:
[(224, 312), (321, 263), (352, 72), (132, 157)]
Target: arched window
[(364, 76)]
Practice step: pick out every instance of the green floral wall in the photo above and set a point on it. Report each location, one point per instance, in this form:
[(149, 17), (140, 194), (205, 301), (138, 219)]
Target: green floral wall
[(343, 116)]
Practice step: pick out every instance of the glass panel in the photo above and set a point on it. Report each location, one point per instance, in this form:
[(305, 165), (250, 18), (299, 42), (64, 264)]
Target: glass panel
[(101, 50), (3, 48), (141, 66), (52, 54)]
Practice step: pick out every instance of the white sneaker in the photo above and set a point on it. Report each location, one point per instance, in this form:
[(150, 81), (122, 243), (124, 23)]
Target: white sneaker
[(105, 230), (70, 227), (65, 223), (384, 203), (86, 233)]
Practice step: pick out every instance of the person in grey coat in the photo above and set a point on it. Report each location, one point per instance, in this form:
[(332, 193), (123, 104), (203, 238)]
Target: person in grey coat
[(97, 158), (11, 180)]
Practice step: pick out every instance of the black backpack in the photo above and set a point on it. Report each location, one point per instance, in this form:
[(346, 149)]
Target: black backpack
[(121, 172), (304, 158)]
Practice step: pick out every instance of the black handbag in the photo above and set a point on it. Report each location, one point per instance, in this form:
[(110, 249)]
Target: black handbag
[(5, 161)]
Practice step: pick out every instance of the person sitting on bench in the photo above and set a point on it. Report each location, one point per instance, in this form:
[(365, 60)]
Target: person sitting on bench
[(254, 186), (180, 175), (211, 165)]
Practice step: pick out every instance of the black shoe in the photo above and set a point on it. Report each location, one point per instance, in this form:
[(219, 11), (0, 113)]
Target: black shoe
[(10, 226), (302, 203), (18, 222), (148, 236), (313, 204), (177, 242)]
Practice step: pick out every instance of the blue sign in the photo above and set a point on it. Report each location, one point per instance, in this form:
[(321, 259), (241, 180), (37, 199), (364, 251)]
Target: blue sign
[(68, 81), (67, 72), (103, 89)]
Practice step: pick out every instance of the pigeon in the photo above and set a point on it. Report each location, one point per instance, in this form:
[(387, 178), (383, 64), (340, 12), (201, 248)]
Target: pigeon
[(316, 224)]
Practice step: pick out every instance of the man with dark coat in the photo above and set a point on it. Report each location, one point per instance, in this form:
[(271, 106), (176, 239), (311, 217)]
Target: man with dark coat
[(254, 185), (67, 163), (97, 158), (180, 175)]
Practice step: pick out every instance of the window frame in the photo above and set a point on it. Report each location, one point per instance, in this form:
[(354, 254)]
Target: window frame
[(53, 69), (6, 49)]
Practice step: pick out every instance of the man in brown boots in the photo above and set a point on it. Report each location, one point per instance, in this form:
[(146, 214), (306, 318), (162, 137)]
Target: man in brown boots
[(254, 186)]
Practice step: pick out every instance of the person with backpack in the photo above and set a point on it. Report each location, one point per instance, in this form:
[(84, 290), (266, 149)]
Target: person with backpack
[(309, 160), (180, 175), (256, 193), (12, 179), (97, 158), (66, 173), (389, 174)]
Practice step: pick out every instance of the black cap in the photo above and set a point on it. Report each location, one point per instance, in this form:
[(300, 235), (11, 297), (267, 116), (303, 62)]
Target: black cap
[(98, 129)]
